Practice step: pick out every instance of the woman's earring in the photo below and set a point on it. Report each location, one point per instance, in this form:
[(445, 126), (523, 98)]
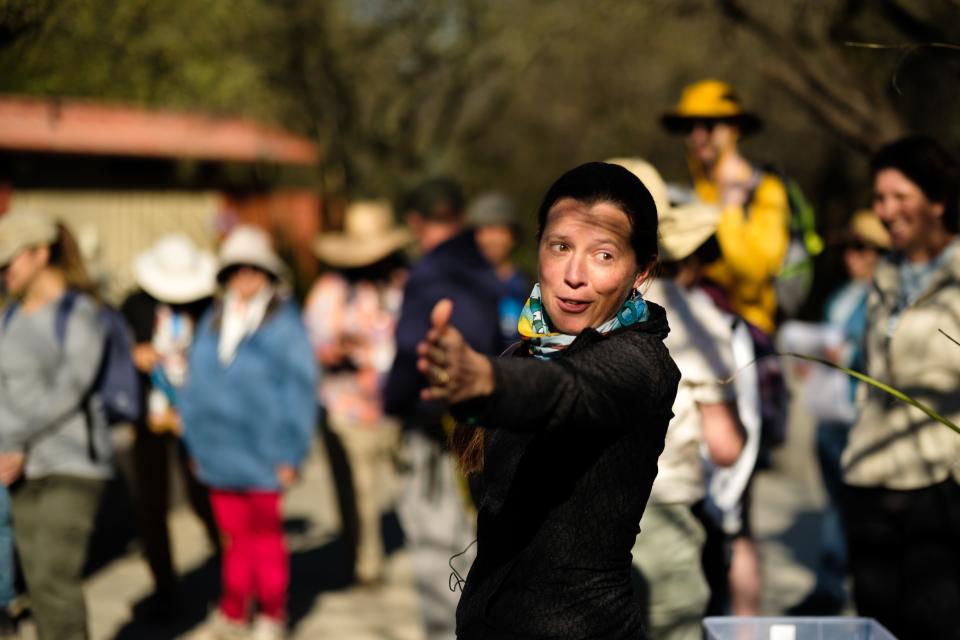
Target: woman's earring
[(627, 316), (633, 310)]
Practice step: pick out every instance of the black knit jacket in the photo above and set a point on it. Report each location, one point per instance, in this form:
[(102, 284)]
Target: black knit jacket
[(571, 451)]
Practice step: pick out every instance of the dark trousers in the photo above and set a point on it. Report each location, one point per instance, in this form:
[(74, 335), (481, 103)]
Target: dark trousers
[(152, 455), (904, 552), (52, 520), (832, 569)]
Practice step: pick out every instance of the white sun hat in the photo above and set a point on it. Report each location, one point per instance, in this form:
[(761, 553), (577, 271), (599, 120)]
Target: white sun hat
[(175, 271), (248, 245)]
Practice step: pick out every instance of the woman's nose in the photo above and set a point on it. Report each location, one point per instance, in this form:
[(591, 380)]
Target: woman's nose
[(575, 273), (883, 208)]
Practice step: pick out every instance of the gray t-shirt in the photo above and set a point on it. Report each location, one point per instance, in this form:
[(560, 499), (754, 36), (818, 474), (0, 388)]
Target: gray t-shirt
[(48, 407)]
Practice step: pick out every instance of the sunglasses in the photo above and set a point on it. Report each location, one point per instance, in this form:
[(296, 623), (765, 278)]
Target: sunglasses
[(688, 126), (859, 245)]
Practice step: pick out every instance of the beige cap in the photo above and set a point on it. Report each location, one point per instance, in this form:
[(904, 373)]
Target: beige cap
[(23, 229), (682, 228), (866, 227), (369, 235), (251, 246)]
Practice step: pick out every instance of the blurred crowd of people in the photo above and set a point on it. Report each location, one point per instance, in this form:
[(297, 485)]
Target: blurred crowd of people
[(227, 381)]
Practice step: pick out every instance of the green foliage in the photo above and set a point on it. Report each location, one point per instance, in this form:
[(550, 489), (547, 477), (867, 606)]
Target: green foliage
[(184, 55), (507, 93)]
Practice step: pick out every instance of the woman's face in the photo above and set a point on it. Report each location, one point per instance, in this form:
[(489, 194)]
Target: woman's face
[(860, 260), (587, 266), (709, 139), (247, 282), (495, 242), (20, 273), (905, 211)]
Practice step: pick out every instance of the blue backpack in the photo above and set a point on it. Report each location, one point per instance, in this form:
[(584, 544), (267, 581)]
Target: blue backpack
[(117, 381)]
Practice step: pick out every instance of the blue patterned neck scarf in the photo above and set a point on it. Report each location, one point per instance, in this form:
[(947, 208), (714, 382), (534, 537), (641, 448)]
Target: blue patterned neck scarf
[(544, 343)]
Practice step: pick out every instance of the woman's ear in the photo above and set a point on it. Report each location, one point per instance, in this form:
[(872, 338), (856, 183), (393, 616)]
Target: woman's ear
[(643, 275), (938, 209), (42, 254)]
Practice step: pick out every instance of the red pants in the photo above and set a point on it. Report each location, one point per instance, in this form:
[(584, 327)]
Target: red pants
[(255, 561)]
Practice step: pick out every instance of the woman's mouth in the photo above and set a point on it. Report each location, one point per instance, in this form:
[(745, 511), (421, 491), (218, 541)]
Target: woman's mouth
[(569, 305)]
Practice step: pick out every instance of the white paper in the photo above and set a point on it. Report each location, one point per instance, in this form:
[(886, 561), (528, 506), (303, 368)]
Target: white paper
[(809, 338), (783, 632)]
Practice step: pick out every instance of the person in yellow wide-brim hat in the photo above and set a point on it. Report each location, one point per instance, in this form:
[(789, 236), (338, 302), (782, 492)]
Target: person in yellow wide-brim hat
[(710, 100), (753, 231)]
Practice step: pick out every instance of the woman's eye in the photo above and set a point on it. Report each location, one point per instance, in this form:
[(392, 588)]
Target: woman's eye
[(605, 256), (560, 246)]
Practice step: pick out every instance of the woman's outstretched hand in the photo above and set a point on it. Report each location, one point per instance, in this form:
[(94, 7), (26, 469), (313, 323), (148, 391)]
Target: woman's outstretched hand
[(454, 371)]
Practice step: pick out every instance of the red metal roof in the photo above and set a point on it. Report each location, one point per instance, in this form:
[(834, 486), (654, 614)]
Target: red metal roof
[(58, 126)]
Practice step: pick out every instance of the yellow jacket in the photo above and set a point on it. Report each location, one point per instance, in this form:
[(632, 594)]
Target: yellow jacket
[(753, 244)]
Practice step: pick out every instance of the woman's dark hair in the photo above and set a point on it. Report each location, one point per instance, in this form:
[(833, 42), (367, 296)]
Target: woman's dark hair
[(224, 276), (65, 255), (929, 166), (596, 182), (590, 183)]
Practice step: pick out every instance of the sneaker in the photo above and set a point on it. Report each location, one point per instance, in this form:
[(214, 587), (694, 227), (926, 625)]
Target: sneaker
[(266, 628), (220, 627)]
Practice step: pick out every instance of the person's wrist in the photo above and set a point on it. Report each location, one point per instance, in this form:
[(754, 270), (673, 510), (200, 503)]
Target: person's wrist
[(734, 194), (485, 380)]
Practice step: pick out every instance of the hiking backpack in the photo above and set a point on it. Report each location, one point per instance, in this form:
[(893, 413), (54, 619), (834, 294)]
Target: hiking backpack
[(793, 283), (117, 380)]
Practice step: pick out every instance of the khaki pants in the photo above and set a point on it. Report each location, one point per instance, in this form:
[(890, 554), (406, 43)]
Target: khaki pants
[(439, 532), (667, 555), (369, 452), (53, 517)]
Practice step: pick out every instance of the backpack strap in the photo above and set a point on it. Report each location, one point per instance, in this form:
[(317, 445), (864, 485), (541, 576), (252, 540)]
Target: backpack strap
[(8, 313), (64, 307), (63, 314)]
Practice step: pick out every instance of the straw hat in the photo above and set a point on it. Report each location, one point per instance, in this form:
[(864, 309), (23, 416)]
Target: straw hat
[(248, 245), (173, 270), (21, 230), (866, 227), (709, 100), (369, 235), (682, 228)]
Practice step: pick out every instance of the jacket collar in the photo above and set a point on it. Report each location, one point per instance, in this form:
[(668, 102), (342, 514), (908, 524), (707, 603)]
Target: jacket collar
[(886, 280), (217, 319)]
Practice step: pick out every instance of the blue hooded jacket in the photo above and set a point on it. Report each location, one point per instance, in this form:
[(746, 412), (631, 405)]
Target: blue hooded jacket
[(243, 419), (457, 270)]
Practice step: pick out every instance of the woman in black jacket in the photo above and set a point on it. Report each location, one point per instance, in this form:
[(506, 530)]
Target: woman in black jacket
[(572, 424)]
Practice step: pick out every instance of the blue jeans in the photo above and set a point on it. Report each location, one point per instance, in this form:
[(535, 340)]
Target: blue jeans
[(6, 549)]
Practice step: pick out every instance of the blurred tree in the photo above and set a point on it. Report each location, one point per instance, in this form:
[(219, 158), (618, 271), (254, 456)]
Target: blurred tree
[(857, 95), (153, 52), (508, 93), (388, 86)]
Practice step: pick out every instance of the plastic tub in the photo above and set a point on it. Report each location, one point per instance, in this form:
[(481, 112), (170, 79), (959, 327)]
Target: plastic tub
[(734, 628)]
